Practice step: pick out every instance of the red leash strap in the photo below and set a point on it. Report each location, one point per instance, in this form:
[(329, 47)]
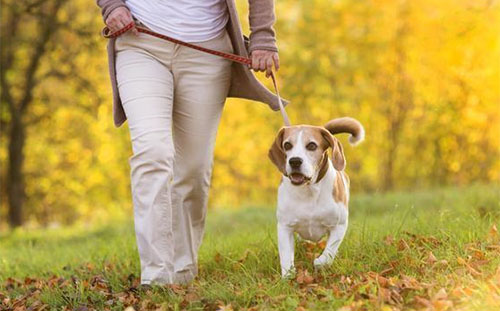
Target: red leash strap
[(106, 33), (235, 58)]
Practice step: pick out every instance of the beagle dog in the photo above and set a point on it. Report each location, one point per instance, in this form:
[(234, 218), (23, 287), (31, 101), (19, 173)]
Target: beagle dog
[(313, 195)]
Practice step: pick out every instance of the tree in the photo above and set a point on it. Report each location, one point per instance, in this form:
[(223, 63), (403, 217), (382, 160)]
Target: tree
[(31, 31)]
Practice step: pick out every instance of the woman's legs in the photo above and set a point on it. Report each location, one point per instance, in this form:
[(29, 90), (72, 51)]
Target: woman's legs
[(166, 87), (146, 89), (201, 86)]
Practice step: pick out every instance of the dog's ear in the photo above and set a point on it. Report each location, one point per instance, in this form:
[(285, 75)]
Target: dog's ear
[(338, 157), (276, 152)]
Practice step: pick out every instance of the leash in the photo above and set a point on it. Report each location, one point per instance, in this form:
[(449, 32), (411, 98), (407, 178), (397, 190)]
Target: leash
[(106, 33)]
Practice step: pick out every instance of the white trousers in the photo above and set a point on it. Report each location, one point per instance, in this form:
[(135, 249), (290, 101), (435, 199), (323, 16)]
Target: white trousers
[(173, 97)]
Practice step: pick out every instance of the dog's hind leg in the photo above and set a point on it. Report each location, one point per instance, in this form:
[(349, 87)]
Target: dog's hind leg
[(332, 245)]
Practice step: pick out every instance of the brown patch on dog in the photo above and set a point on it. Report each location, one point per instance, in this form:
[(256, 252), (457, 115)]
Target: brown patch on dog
[(339, 189), (338, 158), (276, 152), (325, 141), (323, 167), (348, 181)]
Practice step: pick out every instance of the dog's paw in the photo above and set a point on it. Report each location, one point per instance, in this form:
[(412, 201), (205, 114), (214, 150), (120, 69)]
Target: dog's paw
[(323, 261), (288, 274)]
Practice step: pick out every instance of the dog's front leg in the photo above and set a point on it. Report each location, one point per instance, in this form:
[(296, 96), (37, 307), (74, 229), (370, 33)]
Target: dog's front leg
[(286, 248), (332, 246)]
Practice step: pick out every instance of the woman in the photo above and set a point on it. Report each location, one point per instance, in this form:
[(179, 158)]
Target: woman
[(173, 97)]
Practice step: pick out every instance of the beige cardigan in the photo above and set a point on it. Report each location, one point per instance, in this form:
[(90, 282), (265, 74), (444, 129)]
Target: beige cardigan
[(243, 82)]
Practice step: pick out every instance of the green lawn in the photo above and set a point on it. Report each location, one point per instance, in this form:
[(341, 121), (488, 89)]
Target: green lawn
[(434, 249)]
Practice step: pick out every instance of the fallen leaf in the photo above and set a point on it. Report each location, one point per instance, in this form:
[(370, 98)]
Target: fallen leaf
[(244, 256), (422, 301), (225, 308), (384, 294), (190, 297), (402, 245), (147, 305), (322, 244), (385, 271), (308, 279), (431, 259), (176, 288), (441, 294), (493, 247), (388, 240), (303, 277), (442, 305), (493, 233), (461, 261), (468, 291), (109, 302), (477, 253), (218, 257), (407, 282), (473, 271), (458, 292)]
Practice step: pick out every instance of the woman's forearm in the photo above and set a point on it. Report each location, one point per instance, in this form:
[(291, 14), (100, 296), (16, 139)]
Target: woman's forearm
[(262, 18)]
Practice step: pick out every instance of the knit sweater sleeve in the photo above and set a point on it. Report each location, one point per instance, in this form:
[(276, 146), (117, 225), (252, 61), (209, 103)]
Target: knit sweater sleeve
[(107, 6), (262, 18)]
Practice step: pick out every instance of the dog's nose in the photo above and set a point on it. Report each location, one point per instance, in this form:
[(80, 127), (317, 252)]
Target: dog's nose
[(295, 162)]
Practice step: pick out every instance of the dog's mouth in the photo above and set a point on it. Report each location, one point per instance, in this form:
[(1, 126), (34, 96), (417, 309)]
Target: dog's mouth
[(298, 179)]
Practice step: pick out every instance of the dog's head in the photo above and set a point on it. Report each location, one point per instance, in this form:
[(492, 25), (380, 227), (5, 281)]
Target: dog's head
[(301, 152)]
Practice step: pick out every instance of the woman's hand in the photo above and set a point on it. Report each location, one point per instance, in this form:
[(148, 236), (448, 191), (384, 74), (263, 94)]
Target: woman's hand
[(119, 18), (263, 60)]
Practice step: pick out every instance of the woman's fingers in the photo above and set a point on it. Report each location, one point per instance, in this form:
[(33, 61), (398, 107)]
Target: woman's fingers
[(255, 61), (276, 61), (269, 66), (263, 60), (120, 24), (119, 18), (262, 64), (130, 19)]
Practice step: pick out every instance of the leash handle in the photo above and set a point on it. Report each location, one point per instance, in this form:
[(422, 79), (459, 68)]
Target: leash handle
[(106, 33)]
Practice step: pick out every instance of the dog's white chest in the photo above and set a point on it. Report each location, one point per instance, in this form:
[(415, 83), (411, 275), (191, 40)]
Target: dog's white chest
[(313, 227), (310, 211)]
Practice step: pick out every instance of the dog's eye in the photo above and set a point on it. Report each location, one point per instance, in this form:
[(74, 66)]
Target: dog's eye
[(311, 146), (287, 146)]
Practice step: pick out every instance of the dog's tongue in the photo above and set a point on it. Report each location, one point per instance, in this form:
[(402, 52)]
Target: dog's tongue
[(297, 178)]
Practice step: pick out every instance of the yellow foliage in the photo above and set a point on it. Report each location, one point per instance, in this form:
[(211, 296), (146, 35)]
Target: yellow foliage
[(422, 76)]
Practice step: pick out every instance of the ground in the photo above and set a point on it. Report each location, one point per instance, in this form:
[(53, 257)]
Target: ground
[(433, 250)]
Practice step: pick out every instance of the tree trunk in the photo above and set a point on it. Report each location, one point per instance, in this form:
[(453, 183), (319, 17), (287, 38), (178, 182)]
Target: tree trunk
[(402, 97), (15, 181)]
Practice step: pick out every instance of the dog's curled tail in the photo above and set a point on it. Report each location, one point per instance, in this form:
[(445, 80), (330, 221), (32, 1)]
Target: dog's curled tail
[(347, 125)]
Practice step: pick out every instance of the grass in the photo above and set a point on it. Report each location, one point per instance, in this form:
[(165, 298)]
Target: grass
[(434, 249)]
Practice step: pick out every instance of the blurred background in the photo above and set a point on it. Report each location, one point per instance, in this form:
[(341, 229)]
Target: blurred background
[(423, 77)]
